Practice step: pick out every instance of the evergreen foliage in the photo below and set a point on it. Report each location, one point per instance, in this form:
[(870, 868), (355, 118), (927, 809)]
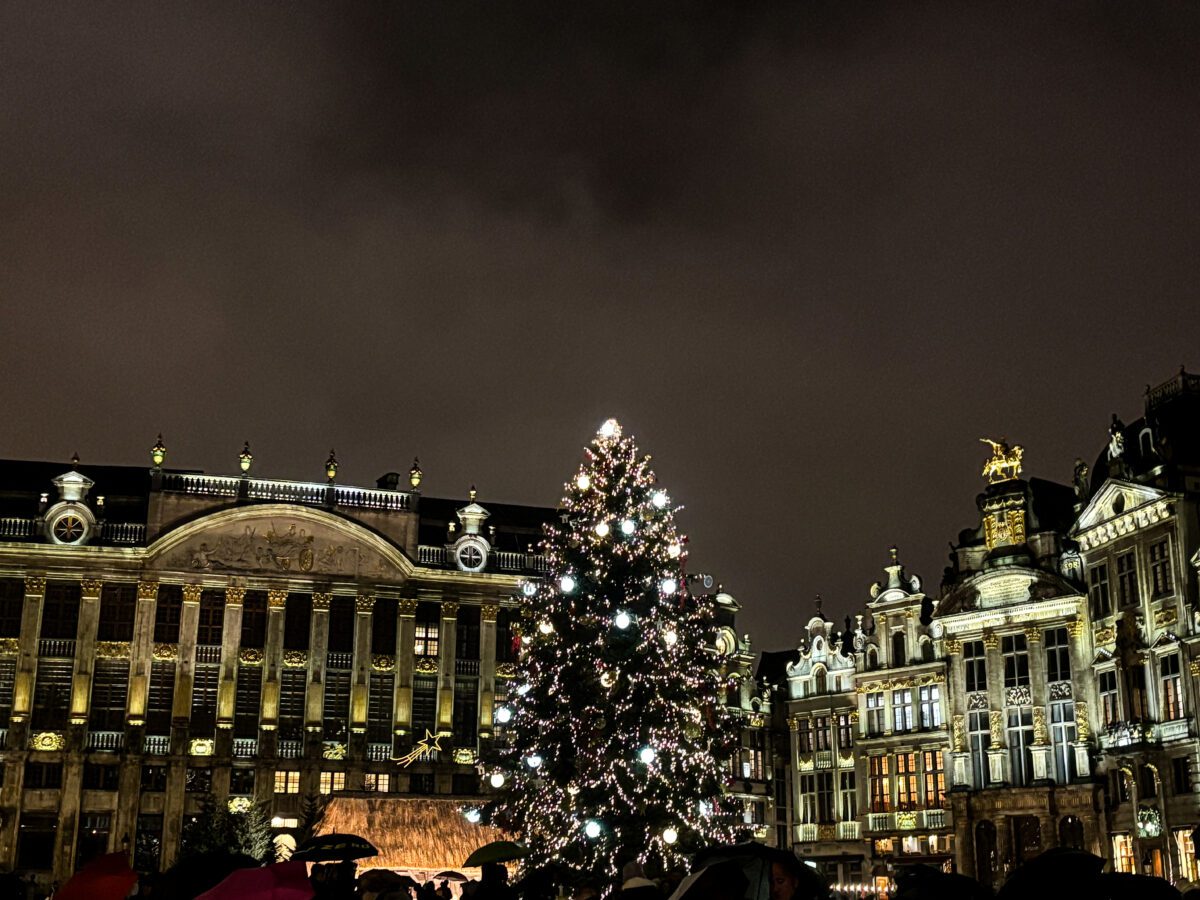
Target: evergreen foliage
[(218, 829)]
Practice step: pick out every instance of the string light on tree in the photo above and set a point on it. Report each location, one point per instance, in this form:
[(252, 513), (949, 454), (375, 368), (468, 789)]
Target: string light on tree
[(621, 710), (497, 780), (503, 715), (473, 816)]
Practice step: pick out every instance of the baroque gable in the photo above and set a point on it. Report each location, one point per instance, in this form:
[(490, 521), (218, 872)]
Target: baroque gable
[(278, 539), (1119, 508)]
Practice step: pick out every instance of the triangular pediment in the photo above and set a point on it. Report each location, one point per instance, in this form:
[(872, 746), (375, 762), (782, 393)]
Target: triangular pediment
[(1116, 499)]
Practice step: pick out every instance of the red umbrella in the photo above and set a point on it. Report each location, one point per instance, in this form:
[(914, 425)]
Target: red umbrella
[(281, 881), (107, 877)]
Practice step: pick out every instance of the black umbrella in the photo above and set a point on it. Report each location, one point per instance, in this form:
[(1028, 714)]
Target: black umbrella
[(193, 875), (718, 881), (756, 860), (1126, 886), (334, 848), (922, 882), (496, 852), (1056, 872)]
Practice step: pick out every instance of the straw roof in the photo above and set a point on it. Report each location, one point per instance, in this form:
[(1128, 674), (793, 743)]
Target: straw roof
[(411, 833)]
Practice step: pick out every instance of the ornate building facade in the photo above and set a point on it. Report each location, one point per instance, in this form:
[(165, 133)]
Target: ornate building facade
[(168, 635), (1047, 697)]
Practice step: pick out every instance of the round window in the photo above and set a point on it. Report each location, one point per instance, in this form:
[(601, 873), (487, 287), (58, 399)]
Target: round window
[(69, 528)]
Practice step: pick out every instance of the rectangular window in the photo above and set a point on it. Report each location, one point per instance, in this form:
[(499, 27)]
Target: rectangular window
[(287, 781), (804, 739), (426, 643), (822, 735), (292, 685), (1109, 702), (341, 624), (1171, 693), (1181, 774), (198, 780), (12, 603), (205, 682), (1058, 655), (212, 619), (906, 781), (160, 698), (1020, 744), (8, 679), (825, 798), (980, 737), (97, 777), (297, 616), (424, 705), (1138, 708), (1098, 593), (43, 776), (1122, 854), (931, 706), (847, 797), (845, 729), (420, 783), (254, 619), (1062, 734), (383, 626), (380, 782), (808, 800), (1127, 589), (464, 784), (975, 663), (118, 603), (935, 778), (380, 701), (52, 694), (110, 684), (332, 781), (1016, 660), (335, 711), (902, 710), (60, 609), (1160, 568), (247, 701), (880, 783), (241, 781), (875, 718), (154, 778), (465, 714), (167, 610), (467, 633), (754, 755)]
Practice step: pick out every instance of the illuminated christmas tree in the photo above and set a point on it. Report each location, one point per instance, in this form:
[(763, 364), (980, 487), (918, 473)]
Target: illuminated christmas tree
[(612, 742)]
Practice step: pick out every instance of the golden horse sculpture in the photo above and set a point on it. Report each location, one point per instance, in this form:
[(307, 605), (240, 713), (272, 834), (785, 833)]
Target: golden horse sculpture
[(1005, 464)]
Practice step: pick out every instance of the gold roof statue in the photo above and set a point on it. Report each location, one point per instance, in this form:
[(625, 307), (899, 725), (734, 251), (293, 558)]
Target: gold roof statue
[(1005, 464)]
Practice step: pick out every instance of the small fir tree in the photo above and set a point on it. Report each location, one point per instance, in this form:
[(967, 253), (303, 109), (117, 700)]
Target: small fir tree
[(613, 738), (246, 828)]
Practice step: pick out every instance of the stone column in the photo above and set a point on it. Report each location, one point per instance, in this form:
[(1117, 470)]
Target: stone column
[(360, 687), (181, 710), (18, 732), (447, 636), (31, 628), (231, 639), (1081, 679), (314, 698), (81, 695), (406, 611), (140, 654), (272, 659), (488, 613), (998, 753)]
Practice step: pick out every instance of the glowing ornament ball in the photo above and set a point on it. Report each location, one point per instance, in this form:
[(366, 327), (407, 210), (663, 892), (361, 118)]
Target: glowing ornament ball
[(670, 835), (627, 527), (583, 482), (602, 529), (497, 780), (592, 829), (622, 620), (647, 755)]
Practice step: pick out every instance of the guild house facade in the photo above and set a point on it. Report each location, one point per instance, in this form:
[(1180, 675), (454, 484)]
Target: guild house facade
[(168, 635), (1049, 695)]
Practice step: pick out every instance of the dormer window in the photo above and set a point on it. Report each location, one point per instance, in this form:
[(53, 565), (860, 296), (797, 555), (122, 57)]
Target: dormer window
[(899, 657)]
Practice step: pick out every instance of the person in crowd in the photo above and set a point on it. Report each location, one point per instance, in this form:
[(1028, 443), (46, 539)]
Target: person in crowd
[(493, 883), (635, 885), (443, 891)]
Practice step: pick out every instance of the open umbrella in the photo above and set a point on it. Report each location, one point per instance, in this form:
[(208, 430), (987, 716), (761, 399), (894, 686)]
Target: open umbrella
[(719, 881), (450, 875), (281, 881), (1057, 872), (496, 852), (107, 877), (194, 875), (756, 860), (922, 882), (334, 848), (1126, 886)]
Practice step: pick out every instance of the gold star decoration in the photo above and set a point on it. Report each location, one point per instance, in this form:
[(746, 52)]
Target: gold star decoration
[(423, 750)]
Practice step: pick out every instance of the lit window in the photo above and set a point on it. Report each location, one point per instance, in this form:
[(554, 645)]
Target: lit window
[(906, 781), (287, 781), (1172, 688), (902, 710), (1122, 853), (380, 782), (1107, 684), (935, 779), (427, 639), (332, 781), (875, 713)]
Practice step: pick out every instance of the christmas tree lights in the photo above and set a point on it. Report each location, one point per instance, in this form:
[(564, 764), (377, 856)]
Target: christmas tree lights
[(620, 698)]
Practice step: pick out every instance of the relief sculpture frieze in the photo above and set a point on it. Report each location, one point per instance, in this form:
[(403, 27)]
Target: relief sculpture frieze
[(280, 546)]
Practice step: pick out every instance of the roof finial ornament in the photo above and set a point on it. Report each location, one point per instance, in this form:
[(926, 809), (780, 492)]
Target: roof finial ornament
[(75, 459), (245, 458), (472, 493), (1005, 464), (415, 473), (331, 466), (158, 452), (895, 553), (819, 606)]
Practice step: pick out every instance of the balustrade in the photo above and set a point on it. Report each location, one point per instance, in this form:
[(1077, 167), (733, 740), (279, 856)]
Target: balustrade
[(108, 741), (156, 744), (59, 647), (245, 747), (379, 752)]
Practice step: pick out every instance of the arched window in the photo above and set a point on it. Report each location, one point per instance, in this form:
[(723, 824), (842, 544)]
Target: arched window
[(820, 683), (872, 659), (899, 657), (926, 650), (1070, 832), (985, 853)]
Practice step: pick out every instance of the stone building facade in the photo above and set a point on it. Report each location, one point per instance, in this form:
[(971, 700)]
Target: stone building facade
[(167, 635)]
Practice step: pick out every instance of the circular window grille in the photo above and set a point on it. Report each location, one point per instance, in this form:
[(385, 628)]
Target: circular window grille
[(69, 529)]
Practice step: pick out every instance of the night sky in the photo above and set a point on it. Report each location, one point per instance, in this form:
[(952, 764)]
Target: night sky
[(808, 253)]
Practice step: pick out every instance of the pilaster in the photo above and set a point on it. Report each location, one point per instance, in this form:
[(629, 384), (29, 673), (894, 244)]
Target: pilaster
[(364, 608), (447, 637), (231, 638), (488, 613), (272, 662), (314, 698), (406, 614), (185, 672), (31, 627), (141, 652)]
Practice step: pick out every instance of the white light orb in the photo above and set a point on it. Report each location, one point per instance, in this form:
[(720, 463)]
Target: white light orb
[(607, 679), (610, 429), (497, 780), (533, 761), (583, 482), (647, 755), (602, 529), (627, 526), (473, 816), (622, 620), (592, 829), (659, 499), (525, 639), (670, 637), (566, 584), (523, 690), (529, 589), (674, 550), (503, 715), (670, 835), (546, 626), (669, 586)]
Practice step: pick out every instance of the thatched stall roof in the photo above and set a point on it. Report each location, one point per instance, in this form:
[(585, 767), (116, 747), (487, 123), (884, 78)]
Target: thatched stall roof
[(411, 833)]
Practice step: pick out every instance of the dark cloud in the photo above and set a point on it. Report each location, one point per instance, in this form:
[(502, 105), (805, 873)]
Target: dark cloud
[(810, 253)]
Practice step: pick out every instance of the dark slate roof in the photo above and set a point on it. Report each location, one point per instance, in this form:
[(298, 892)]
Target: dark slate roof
[(772, 665), (125, 489)]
